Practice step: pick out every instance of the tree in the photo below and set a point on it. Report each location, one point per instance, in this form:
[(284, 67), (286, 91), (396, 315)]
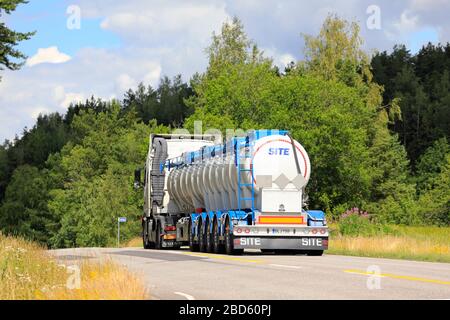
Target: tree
[(3, 171), (435, 203), (230, 48), (96, 178), (24, 211), (336, 53), (421, 83), (166, 104), (9, 38), (431, 164)]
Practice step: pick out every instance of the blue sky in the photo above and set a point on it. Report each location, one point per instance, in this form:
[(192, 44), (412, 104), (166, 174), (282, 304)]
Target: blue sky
[(122, 43), (48, 18)]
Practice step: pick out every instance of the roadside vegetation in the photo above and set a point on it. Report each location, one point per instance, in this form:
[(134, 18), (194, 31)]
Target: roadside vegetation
[(29, 272), (357, 234)]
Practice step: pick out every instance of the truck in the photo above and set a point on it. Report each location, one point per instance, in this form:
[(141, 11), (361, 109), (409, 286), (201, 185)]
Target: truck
[(247, 192)]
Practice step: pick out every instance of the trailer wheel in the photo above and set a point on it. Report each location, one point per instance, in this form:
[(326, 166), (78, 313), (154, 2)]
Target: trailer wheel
[(202, 238), (208, 237), (192, 245), (217, 246), (229, 242), (315, 253)]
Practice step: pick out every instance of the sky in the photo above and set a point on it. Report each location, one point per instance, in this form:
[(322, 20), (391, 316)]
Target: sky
[(104, 47)]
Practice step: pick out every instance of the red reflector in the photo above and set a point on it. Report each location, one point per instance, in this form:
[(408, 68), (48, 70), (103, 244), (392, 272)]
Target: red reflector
[(170, 228)]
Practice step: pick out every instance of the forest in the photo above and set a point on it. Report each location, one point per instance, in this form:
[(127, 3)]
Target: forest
[(376, 129)]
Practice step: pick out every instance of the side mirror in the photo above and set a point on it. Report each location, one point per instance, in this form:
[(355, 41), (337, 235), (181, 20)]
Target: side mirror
[(137, 179)]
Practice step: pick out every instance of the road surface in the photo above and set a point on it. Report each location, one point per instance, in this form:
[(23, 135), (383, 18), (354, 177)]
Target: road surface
[(187, 275)]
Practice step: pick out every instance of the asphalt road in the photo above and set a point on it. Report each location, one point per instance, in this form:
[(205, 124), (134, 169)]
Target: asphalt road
[(187, 275)]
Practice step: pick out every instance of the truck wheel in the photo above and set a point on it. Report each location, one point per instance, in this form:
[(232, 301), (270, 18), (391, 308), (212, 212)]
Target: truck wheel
[(146, 242), (229, 242), (217, 247), (316, 253), (202, 238), (158, 241), (192, 245), (209, 238)]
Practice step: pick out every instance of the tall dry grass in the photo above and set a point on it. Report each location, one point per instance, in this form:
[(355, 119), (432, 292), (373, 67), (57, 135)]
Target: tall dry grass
[(28, 272), (133, 243), (413, 243)]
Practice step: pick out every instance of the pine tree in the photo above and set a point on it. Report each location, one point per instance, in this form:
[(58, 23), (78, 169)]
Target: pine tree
[(9, 38)]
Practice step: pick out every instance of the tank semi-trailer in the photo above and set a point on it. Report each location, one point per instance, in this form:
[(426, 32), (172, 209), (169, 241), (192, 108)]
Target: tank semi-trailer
[(247, 193)]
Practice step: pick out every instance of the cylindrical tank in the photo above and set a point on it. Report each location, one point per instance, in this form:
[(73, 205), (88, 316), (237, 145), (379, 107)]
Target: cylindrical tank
[(211, 182)]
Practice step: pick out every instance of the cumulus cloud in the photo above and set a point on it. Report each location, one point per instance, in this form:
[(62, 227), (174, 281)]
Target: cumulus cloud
[(47, 55)]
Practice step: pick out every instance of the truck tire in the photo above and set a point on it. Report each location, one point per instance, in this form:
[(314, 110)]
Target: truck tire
[(217, 246), (315, 253), (192, 245), (202, 238), (158, 240), (209, 238), (229, 242), (145, 241)]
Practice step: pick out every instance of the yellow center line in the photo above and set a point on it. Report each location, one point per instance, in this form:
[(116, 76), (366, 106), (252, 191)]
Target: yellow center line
[(216, 256), (395, 276)]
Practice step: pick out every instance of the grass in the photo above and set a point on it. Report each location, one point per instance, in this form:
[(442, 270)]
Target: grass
[(28, 272), (133, 243), (412, 243)]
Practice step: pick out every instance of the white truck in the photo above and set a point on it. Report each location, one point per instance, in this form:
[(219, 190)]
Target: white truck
[(245, 193)]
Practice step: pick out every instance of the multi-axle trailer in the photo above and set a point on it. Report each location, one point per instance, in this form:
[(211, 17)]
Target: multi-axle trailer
[(247, 193)]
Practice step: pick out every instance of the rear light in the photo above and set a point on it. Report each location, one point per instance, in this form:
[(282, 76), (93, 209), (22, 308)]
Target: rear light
[(239, 230), (170, 228), (314, 231), (323, 231), (247, 230)]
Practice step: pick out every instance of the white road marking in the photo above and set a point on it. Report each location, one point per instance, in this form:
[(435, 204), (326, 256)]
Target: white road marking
[(187, 296), (284, 266)]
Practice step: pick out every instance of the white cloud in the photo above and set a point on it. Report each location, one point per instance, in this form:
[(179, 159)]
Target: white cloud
[(48, 55), (38, 111), (125, 82), (279, 59), (408, 22)]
